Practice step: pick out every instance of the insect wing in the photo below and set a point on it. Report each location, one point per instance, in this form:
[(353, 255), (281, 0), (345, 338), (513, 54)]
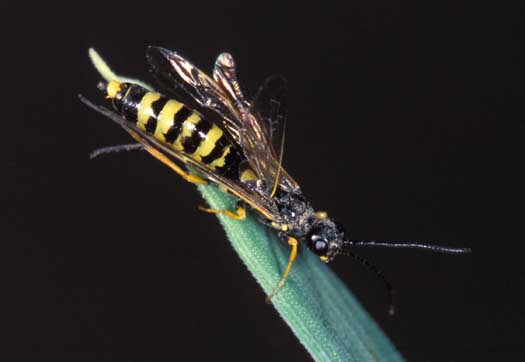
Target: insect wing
[(255, 200), (225, 74), (269, 107), (176, 73), (265, 129), (253, 135), (222, 94)]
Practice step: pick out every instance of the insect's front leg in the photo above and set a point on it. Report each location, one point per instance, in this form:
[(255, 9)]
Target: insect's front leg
[(293, 253), (238, 214), (280, 227)]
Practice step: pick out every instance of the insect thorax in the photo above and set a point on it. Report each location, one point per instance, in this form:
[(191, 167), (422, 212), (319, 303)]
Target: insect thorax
[(295, 212)]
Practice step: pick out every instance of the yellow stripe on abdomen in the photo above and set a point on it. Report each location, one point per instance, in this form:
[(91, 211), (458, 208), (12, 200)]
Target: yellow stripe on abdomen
[(188, 127), (144, 110), (220, 162), (209, 143), (166, 118)]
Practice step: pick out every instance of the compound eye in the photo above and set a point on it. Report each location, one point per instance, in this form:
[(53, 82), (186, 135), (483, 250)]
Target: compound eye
[(317, 243), (320, 247)]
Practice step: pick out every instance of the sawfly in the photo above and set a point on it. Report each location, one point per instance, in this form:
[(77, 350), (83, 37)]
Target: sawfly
[(206, 123)]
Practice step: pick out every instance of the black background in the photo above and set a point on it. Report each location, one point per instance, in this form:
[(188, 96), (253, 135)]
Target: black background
[(406, 122)]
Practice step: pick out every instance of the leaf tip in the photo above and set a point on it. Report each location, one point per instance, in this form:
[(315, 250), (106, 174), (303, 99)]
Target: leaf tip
[(100, 65)]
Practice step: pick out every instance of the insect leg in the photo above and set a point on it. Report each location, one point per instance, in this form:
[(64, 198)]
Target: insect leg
[(293, 253), (239, 214), (114, 149)]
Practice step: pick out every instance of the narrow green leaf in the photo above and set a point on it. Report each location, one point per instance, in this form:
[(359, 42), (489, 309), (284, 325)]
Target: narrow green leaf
[(323, 314), (107, 73)]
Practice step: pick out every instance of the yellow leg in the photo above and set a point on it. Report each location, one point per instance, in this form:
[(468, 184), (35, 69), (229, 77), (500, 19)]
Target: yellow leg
[(165, 160), (293, 243), (239, 214)]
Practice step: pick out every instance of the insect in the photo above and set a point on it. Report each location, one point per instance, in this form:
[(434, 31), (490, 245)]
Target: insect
[(206, 123)]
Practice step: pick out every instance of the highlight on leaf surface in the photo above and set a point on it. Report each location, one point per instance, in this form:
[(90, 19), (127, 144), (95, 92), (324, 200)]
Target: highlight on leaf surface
[(316, 305)]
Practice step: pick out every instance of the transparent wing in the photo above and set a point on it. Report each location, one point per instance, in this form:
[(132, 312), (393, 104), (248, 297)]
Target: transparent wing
[(254, 138), (269, 107), (177, 74), (249, 126), (225, 74), (257, 201)]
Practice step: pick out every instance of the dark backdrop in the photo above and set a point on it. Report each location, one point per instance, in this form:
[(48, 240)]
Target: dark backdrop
[(405, 122)]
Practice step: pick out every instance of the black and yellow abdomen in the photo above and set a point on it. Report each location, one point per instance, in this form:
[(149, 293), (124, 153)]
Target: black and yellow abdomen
[(177, 126)]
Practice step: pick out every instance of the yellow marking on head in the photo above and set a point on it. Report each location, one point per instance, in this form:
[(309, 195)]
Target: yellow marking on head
[(112, 89), (321, 215), (208, 144), (144, 110), (248, 175), (221, 160), (324, 258), (284, 227), (188, 127)]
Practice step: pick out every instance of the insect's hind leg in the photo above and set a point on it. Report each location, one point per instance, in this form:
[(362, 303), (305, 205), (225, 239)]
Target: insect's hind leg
[(115, 149), (238, 214)]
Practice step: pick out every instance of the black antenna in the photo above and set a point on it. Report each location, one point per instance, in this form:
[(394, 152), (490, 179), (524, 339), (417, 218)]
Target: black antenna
[(367, 264), (408, 245)]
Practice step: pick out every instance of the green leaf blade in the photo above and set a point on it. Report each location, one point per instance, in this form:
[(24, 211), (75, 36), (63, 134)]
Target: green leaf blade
[(317, 306)]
